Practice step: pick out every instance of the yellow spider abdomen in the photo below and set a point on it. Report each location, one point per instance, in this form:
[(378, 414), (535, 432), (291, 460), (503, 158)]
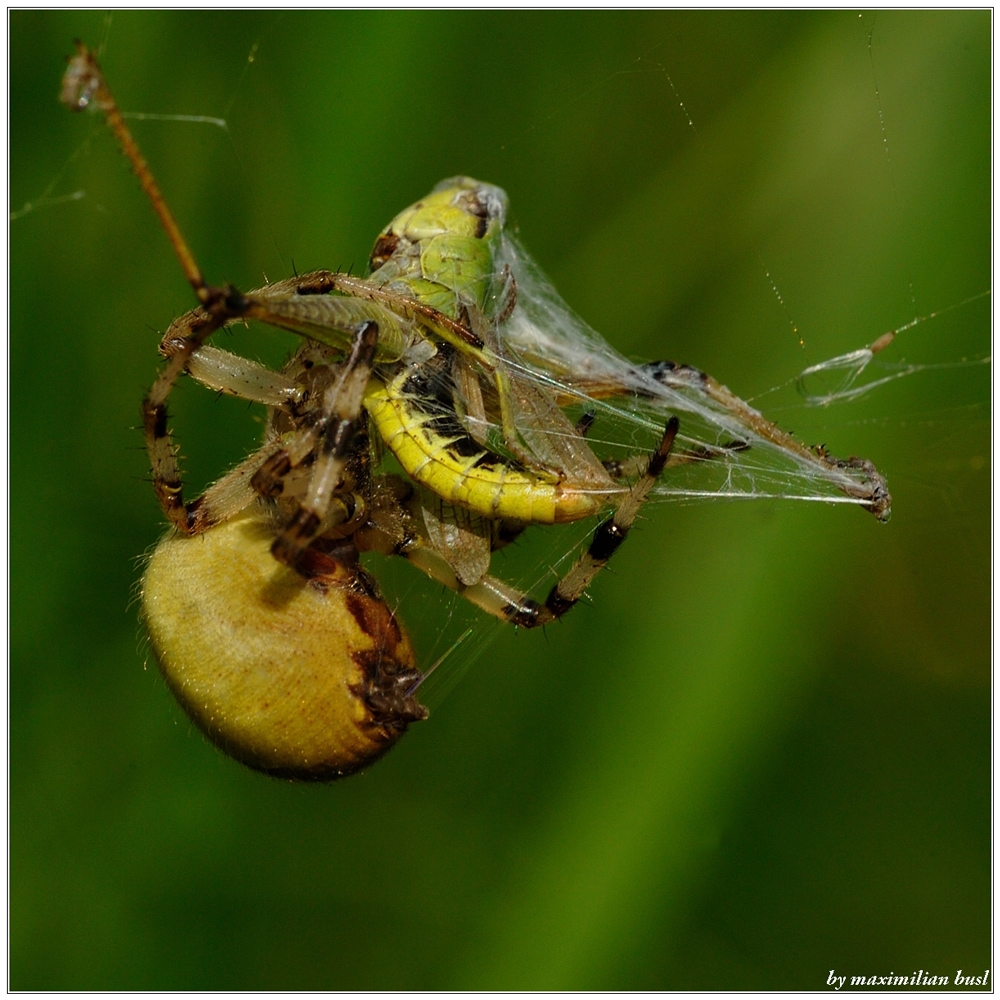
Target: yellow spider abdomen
[(300, 678)]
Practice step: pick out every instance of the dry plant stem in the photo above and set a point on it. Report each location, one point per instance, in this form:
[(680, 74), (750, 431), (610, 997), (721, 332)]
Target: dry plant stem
[(83, 84)]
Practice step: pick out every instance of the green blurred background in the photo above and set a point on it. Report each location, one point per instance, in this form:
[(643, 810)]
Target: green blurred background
[(763, 751)]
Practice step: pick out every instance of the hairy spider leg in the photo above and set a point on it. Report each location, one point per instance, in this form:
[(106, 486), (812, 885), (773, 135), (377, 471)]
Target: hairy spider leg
[(296, 304), (342, 419)]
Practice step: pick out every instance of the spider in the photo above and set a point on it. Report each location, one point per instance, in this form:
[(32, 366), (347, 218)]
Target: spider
[(266, 626)]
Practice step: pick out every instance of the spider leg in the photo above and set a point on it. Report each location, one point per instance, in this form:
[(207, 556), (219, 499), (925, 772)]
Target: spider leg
[(226, 497), (340, 422), (509, 604), (297, 304), (185, 336), (238, 488), (236, 376), (183, 346), (269, 479)]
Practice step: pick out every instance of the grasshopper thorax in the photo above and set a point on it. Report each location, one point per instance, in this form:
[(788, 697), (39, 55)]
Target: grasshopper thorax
[(441, 249)]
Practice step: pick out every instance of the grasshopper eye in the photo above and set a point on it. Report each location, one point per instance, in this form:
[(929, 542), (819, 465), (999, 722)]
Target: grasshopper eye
[(299, 678)]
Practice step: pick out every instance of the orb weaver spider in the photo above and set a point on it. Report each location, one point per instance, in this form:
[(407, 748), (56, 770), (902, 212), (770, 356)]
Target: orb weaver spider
[(271, 634)]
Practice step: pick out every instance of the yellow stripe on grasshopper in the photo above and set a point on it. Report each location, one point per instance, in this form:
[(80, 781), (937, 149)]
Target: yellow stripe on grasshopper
[(493, 489)]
